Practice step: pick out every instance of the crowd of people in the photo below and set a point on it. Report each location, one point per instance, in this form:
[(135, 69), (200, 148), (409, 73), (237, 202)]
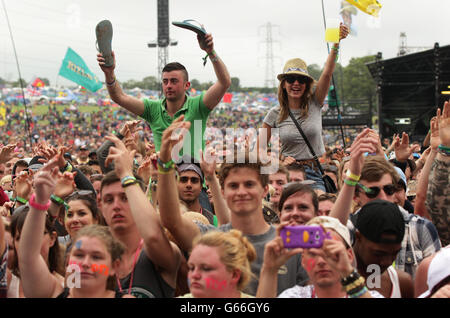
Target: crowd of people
[(117, 212)]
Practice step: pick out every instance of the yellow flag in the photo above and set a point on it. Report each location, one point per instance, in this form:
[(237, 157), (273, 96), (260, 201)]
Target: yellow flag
[(371, 7), (2, 116)]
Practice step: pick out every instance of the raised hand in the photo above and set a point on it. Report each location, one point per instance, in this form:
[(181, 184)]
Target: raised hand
[(444, 124), (343, 31), (336, 255), (208, 162), (364, 142), (206, 43), (172, 136), (65, 184), (7, 152), (122, 158), (435, 139), (402, 148), (101, 63), (45, 181), (23, 184)]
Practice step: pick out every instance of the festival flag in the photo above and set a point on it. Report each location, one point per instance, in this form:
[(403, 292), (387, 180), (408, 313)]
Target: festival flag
[(73, 68), (227, 97), (371, 7), (38, 83), (2, 116)]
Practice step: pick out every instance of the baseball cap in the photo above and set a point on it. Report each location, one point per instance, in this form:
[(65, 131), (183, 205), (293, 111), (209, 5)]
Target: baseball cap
[(402, 176), (438, 270), (34, 163), (380, 217), (334, 224), (83, 147)]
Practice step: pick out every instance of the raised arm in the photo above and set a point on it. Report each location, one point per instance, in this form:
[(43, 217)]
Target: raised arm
[(37, 281), (182, 229), (215, 93), (325, 78), (364, 142), (275, 255), (422, 184), (116, 93), (208, 165), (438, 194), (158, 248)]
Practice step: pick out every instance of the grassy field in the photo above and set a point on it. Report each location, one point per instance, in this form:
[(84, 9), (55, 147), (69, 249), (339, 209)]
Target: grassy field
[(43, 109)]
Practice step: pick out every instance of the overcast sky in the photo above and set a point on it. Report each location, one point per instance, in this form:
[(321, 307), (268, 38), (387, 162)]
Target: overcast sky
[(43, 30)]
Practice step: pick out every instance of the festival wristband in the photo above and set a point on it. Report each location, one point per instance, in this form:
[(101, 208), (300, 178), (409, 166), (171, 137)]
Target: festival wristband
[(350, 182), (57, 200), (352, 176), (21, 200), (163, 171), (166, 166), (37, 206), (444, 150), (68, 167)]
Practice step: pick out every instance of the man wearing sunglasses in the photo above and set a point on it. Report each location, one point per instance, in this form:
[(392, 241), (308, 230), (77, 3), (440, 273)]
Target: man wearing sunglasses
[(189, 184), (372, 177)]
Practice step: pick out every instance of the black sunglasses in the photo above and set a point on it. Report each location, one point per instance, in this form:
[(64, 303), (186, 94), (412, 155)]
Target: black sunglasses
[(292, 78), (194, 180), (373, 192)]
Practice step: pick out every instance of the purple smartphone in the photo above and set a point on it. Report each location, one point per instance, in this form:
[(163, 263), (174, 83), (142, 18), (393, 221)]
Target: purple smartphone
[(305, 236)]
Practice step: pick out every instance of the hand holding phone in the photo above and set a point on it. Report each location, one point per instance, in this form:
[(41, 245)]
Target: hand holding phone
[(304, 236)]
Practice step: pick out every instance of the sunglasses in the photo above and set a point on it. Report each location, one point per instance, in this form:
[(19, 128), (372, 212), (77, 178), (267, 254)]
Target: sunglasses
[(82, 193), (300, 79), (373, 192), (194, 180)]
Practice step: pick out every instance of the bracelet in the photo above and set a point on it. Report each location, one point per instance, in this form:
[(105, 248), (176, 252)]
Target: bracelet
[(352, 176), (359, 293), (356, 284), (112, 83), (164, 171), (350, 182), (215, 58), (37, 206), (68, 167), (21, 200), (128, 180), (444, 150), (128, 183), (57, 200), (350, 278), (336, 49), (166, 166)]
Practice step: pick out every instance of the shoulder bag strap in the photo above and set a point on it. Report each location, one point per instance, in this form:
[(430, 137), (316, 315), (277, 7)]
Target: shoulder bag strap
[(306, 141)]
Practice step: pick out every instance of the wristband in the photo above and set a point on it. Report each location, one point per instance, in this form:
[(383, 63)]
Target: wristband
[(21, 200), (350, 182), (444, 150), (68, 167), (352, 176), (37, 206), (111, 83), (128, 180), (359, 293), (128, 183), (57, 200), (350, 278), (163, 171), (165, 166), (213, 56)]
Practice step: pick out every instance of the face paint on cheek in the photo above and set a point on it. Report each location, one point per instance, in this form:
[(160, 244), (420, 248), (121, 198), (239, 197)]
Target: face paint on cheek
[(310, 264), (78, 244), (215, 284)]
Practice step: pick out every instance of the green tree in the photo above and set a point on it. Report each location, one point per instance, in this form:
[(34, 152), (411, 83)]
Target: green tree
[(17, 83), (195, 84), (235, 85), (314, 70), (358, 83), (150, 82), (45, 80)]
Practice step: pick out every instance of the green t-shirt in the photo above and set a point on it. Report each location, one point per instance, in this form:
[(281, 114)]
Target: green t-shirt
[(194, 110)]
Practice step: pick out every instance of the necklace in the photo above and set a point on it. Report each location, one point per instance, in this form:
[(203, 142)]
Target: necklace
[(138, 251)]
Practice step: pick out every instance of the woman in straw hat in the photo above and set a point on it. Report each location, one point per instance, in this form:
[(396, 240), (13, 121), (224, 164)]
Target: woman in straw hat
[(301, 94)]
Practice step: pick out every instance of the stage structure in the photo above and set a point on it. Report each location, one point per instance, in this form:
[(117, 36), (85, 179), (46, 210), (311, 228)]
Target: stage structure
[(163, 42), (409, 90)]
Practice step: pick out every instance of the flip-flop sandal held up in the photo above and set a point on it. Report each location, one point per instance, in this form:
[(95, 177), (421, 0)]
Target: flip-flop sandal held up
[(104, 33)]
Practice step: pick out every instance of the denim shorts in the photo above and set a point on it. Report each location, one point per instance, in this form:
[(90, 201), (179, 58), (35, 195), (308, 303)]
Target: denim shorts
[(314, 175)]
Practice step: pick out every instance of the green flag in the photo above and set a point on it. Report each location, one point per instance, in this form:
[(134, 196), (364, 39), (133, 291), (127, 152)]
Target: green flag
[(73, 68)]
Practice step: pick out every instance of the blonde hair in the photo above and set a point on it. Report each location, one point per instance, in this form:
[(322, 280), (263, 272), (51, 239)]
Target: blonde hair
[(114, 247), (235, 252), (304, 100)]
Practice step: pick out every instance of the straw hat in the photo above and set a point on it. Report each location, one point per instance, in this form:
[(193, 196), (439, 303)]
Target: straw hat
[(295, 66)]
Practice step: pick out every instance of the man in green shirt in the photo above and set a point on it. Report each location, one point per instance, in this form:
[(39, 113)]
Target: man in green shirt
[(175, 83)]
